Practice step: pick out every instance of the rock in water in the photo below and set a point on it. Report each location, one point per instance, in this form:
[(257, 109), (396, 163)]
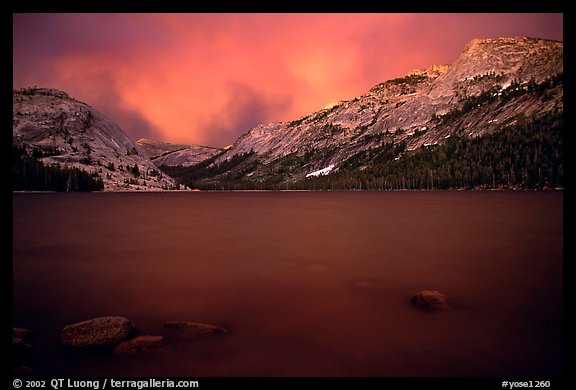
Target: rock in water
[(22, 351), (99, 332), (191, 330), (431, 300), (139, 344), (21, 333)]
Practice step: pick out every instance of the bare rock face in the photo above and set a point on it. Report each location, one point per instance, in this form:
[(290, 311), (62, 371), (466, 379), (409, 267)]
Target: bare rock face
[(163, 153), (431, 300), (99, 332), (419, 110), (139, 344), (65, 131), (191, 330)]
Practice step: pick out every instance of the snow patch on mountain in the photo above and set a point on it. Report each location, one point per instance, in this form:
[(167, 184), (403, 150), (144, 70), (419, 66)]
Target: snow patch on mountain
[(321, 172)]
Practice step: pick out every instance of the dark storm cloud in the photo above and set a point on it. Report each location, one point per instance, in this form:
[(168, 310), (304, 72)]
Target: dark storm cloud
[(208, 78)]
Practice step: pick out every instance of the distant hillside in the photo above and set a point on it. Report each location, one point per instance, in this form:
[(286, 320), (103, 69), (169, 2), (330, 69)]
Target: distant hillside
[(401, 132), (162, 153)]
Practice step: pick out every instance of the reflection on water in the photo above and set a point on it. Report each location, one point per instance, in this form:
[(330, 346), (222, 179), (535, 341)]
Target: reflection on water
[(306, 283)]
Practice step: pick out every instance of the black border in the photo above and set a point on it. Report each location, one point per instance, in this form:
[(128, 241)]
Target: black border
[(523, 6), (356, 6)]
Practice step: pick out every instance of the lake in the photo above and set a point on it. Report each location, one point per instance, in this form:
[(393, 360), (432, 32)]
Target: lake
[(307, 283)]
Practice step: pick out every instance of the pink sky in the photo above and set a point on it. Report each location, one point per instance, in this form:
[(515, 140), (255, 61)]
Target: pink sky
[(208, 78)]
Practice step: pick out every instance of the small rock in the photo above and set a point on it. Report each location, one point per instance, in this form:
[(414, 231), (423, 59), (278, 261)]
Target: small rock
[(138, 344), (20, 344), (191, 330), (22, 351), (431, 300), (97, 333), (21, 333)]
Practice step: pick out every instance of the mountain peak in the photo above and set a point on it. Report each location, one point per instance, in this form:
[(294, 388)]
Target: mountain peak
[(42, 91), (491, 82), (510, 47), (510, 41), (63, 131), (433, 71)]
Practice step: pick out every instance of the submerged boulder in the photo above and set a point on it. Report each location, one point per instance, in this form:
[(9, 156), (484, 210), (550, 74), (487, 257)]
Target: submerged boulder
[(191, 330), (22, 351), (99, 332), (139, 344), (431, 300), (20, 333)]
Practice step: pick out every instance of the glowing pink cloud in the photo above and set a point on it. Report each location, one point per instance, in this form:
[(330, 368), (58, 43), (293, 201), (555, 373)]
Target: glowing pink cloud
[(208, 78)]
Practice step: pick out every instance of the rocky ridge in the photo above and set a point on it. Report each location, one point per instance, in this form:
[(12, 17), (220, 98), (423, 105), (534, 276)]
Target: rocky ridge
[(485, 89), (163, 153), (492, 85), (63, 130)]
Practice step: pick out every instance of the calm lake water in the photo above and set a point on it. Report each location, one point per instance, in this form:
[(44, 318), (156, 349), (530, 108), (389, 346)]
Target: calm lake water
[(308, 284)]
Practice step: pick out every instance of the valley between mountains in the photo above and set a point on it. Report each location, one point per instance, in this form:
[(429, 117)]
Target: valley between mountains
[(493, 119)]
